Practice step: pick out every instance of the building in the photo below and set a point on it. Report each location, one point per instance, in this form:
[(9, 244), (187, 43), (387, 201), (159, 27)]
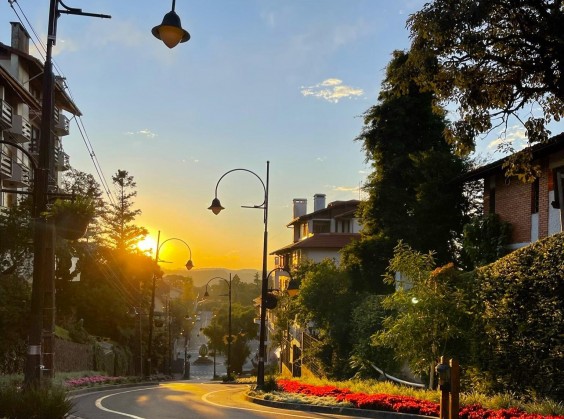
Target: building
[(320, 234), (21, 81), (534, 210)]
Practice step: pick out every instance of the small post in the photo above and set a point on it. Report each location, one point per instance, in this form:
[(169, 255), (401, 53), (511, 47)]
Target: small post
[(454, 389), (444, 385)]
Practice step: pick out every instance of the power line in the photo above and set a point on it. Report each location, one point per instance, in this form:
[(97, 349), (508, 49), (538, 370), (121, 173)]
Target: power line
[(81, 127)]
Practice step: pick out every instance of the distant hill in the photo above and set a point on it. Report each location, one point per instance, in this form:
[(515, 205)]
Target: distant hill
[(203, 275)]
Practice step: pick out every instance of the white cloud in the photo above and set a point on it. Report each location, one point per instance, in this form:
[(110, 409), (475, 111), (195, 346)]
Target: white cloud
[(515, 137), (346, 188), (144, 132), (332, 90)]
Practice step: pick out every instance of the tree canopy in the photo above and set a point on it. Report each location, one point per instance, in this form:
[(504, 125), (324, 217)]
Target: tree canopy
[(493, 60), (411, 193)]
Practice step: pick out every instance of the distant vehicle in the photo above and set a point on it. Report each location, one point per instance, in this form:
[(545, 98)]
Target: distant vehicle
[(198, 318)]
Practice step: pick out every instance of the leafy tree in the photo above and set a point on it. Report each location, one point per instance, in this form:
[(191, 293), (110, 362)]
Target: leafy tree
[(320, 283), (429, 311), (15, 238), (411, 193), (15, 295), (367, 319), (495, 59), (485, 239), (243, 329), (119, 232)]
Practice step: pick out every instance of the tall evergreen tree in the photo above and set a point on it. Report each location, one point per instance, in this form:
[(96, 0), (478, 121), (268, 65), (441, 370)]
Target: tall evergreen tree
[(118, 229), (411, 193)]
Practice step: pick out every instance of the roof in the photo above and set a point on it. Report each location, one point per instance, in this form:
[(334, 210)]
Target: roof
[(320, 241), (62, 99), (21, 91), (334, 209), (554, 144)]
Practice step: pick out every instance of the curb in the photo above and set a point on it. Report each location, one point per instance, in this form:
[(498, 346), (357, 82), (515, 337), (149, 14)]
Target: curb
[(349, 411)]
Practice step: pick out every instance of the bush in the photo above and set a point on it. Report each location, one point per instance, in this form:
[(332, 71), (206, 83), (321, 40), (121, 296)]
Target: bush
[(34, 403), (521, 306)]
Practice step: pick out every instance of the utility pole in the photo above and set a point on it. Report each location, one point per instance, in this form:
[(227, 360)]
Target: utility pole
[(43, 284)]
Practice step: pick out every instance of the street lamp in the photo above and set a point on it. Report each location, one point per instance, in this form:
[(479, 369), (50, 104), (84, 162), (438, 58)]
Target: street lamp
[(170, 30), (216, 208), (229, 336), (189, 265)]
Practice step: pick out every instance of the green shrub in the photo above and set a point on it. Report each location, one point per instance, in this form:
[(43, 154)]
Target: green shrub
[(521, 304), (34, 403)]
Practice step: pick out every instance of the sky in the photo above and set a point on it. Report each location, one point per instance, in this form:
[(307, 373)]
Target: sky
[(259, 80)]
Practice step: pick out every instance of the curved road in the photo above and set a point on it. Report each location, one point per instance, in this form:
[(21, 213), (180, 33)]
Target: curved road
[(181, 399)]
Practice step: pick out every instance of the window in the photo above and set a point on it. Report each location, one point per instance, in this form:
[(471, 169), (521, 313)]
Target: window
[(344, 226), (558, 174), (321, 226), (492, 201), (535, 190)]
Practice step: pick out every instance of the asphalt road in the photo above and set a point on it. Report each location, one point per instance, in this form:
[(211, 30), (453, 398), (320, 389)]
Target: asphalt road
[(180, 399)]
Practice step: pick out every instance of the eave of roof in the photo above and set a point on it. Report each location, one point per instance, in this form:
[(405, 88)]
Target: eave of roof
[(320, 241), (21, 91), (555, 143), (62, 99), (331, 206)]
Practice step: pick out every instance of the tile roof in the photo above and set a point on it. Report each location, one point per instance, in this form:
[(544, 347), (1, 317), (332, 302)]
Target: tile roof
[(554, 144), (320, 241)]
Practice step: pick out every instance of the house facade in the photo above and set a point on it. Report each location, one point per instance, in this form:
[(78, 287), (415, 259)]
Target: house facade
[(21, 81), (534, 210), (318, 235)]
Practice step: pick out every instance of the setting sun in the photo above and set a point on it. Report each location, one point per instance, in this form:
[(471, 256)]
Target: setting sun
[(148, 245)]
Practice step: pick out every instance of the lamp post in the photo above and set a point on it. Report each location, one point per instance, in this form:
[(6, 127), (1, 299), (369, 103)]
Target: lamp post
[(216, 208), (189, 265), (229, 335)]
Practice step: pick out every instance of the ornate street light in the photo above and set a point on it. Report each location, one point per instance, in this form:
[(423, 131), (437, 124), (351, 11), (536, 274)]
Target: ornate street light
[(170, 30), (189, 265), (216, 208), (229, 336)]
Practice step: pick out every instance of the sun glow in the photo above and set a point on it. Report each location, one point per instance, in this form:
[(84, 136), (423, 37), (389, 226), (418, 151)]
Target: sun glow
[(148, 245)]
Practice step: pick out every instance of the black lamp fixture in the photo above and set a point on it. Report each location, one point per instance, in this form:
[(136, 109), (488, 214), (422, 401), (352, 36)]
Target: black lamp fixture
[(170, 30)]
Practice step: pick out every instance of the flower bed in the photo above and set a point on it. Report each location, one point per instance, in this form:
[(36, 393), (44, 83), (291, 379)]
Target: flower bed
[(91, 381), (401, 404)]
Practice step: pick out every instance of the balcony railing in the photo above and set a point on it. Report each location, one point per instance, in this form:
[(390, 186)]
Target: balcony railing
[(20, 132), (62, 123), (5, 115), (62, 161), (5, 166)]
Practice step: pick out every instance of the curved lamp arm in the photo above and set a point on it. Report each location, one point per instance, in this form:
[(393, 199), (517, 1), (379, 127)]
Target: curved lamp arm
[(228, 282), (23, 150), (189, 265), (216, 207), (293, 287)]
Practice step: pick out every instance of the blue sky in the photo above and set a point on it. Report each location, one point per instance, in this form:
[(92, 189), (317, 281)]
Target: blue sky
[(284, 81)]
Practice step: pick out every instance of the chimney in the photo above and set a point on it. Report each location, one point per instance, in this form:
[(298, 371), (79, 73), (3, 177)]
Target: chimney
[(20, 37), (300, 207), (318, 202)]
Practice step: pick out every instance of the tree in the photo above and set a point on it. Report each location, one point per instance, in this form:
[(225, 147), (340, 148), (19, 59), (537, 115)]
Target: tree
[(429, 311), (485, 239), (320, 283), (243, 329), (411, 192), (15, 238), (495, 59), (118, 229)]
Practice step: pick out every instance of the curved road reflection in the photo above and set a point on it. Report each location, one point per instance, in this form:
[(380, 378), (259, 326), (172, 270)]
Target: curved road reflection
[(180, 399)]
